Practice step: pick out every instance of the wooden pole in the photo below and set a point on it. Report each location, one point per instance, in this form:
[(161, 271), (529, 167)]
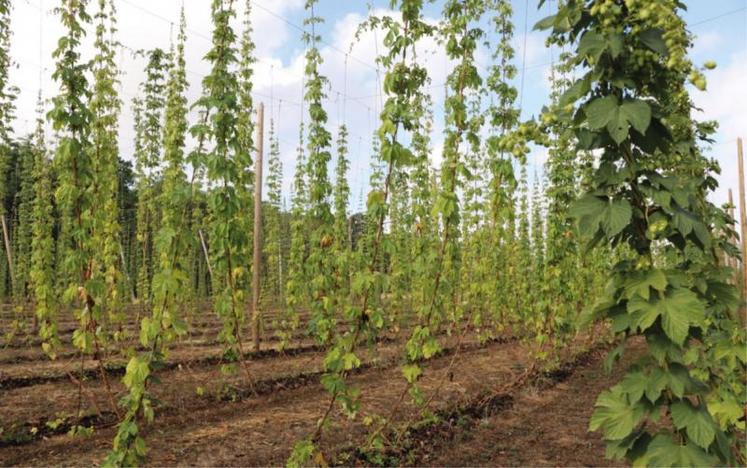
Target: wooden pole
[(257, 261), (207, 256), (8, 254), (742, 224), (731, 261)]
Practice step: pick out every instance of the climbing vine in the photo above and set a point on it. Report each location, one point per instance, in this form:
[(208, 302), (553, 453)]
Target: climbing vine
[(245, 130), (23, 223), (170, 279), (148, 113), (649, 193), (341, 197), (8, 95), (440, 258), (105, 108), (276, 268), (501, 145), (460, 36), (41, 274), (72, 118), (296, 286), (563, 246), (228, 171), (175, 193), (402, 84), (421, 200), (319, 263)]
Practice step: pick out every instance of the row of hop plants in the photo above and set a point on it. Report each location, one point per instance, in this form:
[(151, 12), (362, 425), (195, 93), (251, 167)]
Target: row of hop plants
[(466, 248)]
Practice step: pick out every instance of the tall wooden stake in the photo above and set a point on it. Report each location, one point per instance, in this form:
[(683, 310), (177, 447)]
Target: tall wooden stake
[(8, 253), (742, 224), (257, 262), (731, 261), (207, 255)]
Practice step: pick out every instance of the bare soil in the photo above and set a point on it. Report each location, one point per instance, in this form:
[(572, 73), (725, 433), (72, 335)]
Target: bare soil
[(209, 419), (544, 423)]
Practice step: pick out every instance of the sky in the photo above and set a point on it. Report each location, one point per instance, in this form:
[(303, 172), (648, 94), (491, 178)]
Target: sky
[(354, 96)]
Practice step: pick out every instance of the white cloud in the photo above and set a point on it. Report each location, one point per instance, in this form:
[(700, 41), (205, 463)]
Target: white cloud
[(536, 52), (706, 43), (726, 100), (538, 157), (142, 25)]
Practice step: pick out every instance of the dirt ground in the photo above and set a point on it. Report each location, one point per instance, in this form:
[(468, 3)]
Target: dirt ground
[(208, 419), (545, 423)]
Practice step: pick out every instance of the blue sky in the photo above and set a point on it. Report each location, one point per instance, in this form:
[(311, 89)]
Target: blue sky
[(720, 26)]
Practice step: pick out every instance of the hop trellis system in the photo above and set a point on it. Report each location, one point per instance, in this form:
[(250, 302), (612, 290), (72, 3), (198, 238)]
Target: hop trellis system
[(619, 231)]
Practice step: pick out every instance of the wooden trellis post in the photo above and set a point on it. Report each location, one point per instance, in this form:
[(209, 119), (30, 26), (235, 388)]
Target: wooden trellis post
[(8, 253), (731, 261), (742, 224), (257, 262), (207, 255)]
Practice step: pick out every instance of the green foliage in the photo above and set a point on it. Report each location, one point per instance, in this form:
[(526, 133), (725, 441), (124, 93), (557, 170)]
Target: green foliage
[(148, 118), (297, 286), (273, 239), (503, 143), (245, 133), (105, 109), (524, 250), (460, 33), (7, 98), (41, 274), (649, 193), (23, 222), (227, 167), (176, 193), (341, 196), (461, 250), (71, 118), (402, 84), (170, 279), (320, 263), (565, 277), (421, 204)]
